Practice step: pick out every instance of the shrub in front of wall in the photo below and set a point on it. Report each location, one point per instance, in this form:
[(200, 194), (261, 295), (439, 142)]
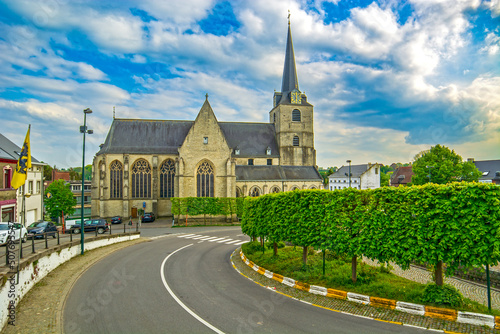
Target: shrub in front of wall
[(446, 295)]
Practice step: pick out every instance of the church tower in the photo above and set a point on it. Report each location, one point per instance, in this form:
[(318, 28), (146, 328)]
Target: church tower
[(292, 116)]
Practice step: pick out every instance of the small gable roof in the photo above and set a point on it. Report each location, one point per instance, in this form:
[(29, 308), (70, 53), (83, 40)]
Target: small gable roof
[(402, 175), (9, 150), (489, 168), (356, 171), (277, 173)]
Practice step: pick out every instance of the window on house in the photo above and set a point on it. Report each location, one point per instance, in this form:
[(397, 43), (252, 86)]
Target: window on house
[(141, 179), (269, 162), (7, 177), (205, 140), (205, 180), (250, 162), (296, 115), (38, 183), (116, 179), (376, 170), (295, 140), (167, 175), (30, 187)]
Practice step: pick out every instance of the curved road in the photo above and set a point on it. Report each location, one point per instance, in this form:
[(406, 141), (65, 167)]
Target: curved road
[(181, 284)]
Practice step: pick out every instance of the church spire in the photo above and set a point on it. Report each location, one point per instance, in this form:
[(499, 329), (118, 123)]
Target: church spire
[(290, 81)]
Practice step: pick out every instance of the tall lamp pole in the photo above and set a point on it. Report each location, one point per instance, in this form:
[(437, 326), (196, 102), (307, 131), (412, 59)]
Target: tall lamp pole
[(84, 130), (349, 162)]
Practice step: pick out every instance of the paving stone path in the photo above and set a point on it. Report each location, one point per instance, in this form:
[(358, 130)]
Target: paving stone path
[(469, 290)]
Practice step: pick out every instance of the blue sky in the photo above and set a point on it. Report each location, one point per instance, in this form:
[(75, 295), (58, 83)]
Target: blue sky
[(388, 78)]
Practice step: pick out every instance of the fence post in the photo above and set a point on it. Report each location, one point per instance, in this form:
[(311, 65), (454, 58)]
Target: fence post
[(71, 235), (46, 240), (21, 248), (58, 238), (6, 255), (33, 243)]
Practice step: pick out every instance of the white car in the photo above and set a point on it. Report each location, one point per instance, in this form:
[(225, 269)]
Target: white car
[(20, 232)]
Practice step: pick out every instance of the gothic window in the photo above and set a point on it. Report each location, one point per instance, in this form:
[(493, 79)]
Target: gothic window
[(312, 187), (238, 192), (205, 180), (167, 175), (141, 179), (275, 190), (295, 188), (295, 140), (296, 115), (274, 117), (115, 179), (255, 192)]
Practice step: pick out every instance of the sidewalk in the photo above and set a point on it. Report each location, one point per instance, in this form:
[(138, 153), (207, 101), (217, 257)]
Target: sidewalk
[(469, 290)]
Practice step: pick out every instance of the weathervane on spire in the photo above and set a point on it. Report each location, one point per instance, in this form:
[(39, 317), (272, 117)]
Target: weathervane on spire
[(289, 17)]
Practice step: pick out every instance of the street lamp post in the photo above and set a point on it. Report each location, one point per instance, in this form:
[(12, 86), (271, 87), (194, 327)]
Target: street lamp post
[(84, 130), (429, 176), (349, 162)]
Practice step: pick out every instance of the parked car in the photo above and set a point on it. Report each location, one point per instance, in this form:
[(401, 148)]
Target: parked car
[(41, 229), (101, 225), (20, 232), (116, 220), (149, 217)]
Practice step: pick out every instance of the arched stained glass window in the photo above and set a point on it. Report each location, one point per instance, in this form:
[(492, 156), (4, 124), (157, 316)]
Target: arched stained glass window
[(167, 175), (275, 190), (238, 192), (255, 192), (141, 179), (205, 180), (296, 115), (115, 179), (295, 140)]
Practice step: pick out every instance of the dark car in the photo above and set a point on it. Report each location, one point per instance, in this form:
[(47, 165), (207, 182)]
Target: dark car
[(101, 225), (149, 217), (116, 220), (42, 229)]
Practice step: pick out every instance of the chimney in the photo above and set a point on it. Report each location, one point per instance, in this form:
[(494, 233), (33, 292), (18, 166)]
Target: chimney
[(470, 160)]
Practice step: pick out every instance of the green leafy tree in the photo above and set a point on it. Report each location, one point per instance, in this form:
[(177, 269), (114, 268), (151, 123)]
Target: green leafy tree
[(47, 172), (441, 165), (60, 200)]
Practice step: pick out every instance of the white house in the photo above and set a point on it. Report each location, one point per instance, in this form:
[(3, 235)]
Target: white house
[(362, 177)]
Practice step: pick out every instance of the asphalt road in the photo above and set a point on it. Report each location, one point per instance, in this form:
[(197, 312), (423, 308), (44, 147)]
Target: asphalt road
[(175, 284)]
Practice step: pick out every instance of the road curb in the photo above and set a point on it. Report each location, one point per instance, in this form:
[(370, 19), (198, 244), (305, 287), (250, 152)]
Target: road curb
[(428, 311)]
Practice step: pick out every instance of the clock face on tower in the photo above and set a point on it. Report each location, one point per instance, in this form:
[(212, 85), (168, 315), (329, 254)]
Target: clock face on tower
[(296, 97)]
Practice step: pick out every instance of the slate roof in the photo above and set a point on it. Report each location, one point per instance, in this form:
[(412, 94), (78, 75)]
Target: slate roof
[(252, 139), (8, 150), (136, 136), (356, 171), (277, 173), (491, 167)]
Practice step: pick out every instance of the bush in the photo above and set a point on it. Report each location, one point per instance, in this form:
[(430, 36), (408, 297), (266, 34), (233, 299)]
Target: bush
[(251, 247), (445, 295), (270, 244)]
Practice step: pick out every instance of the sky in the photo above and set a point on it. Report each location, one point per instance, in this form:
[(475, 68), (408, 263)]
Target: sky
[(387, 78)]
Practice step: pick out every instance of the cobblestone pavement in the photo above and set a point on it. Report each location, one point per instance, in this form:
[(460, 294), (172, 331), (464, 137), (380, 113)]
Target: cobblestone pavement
[(41, 308), (472, 291), (337, 305)]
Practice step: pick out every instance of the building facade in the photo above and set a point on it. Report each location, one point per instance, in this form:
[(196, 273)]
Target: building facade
[(362, 177), (490, 170), (147, 162), (11, 201)]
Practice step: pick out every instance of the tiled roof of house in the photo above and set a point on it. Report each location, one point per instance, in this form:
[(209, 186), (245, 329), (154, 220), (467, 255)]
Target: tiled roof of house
[(402, 175)]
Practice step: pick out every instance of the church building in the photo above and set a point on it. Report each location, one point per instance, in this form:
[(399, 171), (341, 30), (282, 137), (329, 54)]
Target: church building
[(151, 161)]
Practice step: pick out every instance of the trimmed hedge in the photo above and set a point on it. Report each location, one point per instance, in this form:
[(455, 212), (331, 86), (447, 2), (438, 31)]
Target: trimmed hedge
[(457, 223)]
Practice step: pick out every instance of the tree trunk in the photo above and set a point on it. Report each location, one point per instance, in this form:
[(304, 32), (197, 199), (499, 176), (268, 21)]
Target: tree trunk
[(354, 264), (304, 255), (438, 273), (275, 248), (262, 244)]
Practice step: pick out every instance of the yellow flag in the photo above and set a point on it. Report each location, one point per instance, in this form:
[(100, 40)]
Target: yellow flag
[(23, 164)]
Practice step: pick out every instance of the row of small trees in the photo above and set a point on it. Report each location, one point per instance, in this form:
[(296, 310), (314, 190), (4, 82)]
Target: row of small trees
[(211, 206), (456, 224)]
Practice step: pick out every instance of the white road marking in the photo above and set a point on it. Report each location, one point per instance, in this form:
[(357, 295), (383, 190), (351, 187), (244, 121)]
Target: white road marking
[(185, 235), (240, 243), (232, 242), (196, 236), (217, 239), (188, 310), (207, 238), (224, 240)]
